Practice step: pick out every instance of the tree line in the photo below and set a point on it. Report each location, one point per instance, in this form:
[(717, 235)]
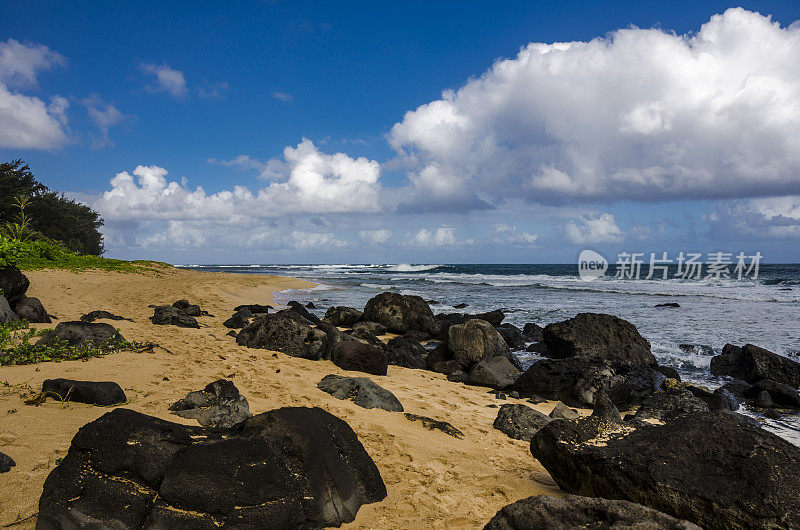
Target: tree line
[(50, 213)]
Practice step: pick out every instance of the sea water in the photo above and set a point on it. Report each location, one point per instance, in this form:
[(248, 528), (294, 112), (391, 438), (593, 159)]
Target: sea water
[(713, 311)]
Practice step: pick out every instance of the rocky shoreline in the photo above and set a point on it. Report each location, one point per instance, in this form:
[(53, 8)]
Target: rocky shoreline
[(678, 455)]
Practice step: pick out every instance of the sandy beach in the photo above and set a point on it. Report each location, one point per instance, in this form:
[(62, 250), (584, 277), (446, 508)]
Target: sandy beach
[(433, 480)]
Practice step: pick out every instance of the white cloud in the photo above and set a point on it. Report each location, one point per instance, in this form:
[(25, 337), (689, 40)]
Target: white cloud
[(593, 229), (242, 162), (165, 79), (315, 183), (313, 240), (28, 123), (440, 238), (774, 217), (282, 96), (641, 114), (20, 63), (375, 237), (504, 234), (104, 115)]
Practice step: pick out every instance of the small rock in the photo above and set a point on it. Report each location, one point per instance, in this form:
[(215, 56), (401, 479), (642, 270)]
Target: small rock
[(431, 424), (462, 305), (500, 396), (165, 315), (218, 405), (563, 412), (494, 372), (6, 463), (668, 304), (519, 421), (6, 313), (605, 409), (32, 310), (342, 316), (360, 390), (310, 305), (101, 315), (533, 332), (459, 376), (103, 393), (371, 327), (764, 400), (239, 319), (514, 395), (256, 309)]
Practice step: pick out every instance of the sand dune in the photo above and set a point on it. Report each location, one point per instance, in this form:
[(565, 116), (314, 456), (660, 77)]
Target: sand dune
[(433, 480)]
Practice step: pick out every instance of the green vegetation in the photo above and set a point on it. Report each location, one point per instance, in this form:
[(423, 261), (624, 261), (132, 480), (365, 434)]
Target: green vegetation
[(50, 215), (16, 346)]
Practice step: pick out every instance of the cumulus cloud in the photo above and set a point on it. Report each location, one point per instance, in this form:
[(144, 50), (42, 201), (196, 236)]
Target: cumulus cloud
[(27, 122), (509, 235), (21, 63), (773, 217), (375, 237), (593, 229), (641, 114), (440, 238), (164, 79), (104, 116), (315, 183)]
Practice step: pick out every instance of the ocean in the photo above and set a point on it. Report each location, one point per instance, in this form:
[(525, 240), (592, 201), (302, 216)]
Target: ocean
[(713, 311)]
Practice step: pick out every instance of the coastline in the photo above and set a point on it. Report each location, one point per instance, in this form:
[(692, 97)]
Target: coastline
[(433, 480)]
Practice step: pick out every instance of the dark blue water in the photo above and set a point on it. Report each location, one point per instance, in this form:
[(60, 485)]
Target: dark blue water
[(713, 312)]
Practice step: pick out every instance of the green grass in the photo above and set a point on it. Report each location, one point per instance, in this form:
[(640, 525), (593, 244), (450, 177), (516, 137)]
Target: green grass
[(16, 347), (33, 255)]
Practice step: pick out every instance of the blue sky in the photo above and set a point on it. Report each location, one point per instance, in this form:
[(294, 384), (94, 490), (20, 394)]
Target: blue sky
[(377, 132)]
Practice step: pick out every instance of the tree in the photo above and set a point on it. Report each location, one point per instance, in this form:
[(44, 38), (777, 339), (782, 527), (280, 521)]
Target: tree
[(50, 213)]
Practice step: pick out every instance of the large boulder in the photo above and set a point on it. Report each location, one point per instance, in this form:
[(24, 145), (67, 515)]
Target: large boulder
[(671, 404), (192, 310), (77, 334), (103, 393), (400, 313), (598, 337), (288, 468), (342, 316), (494, 372), (6, 314), (519, 421), (374, 328), (533, 332), (739, 475), (91, 316), (575, 512), (406, 352), (301, 310), (239, 319), (13, 284), (361, 391), (751, 363), (475, 340), (780, 393), (167, 315), (445, 320), (32, 310), (359, 357), (573, 381), (512, 335), (285, 332), (218, 405), (6, 463)]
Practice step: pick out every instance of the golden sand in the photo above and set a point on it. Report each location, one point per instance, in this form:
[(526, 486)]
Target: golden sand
[(433, 480)]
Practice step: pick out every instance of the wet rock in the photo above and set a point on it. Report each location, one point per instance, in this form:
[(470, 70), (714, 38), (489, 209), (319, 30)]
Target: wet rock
[(519, 421), (514, 338), (101, 315), (359, 357), (288, 468), (533, 332), (166, 315), (537, 347), (342, 316), (781, 394), (13, 284), (77, 334), (563, 412), (6, 463), (6, 314), (764, 400), (751, 363), (370, 327), (103, 393), (697, 349), (474, 341), (400, 313), (598, 337), (218, 405), (405, 352), (286, 332), (737, 387), (671, 404), (732, 464), (462, 305), (432, 424), (573, 512), (360, 390), (669, 372), (668, 304), (239, 319), (494, 372), (32, 310), (310, 305)]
